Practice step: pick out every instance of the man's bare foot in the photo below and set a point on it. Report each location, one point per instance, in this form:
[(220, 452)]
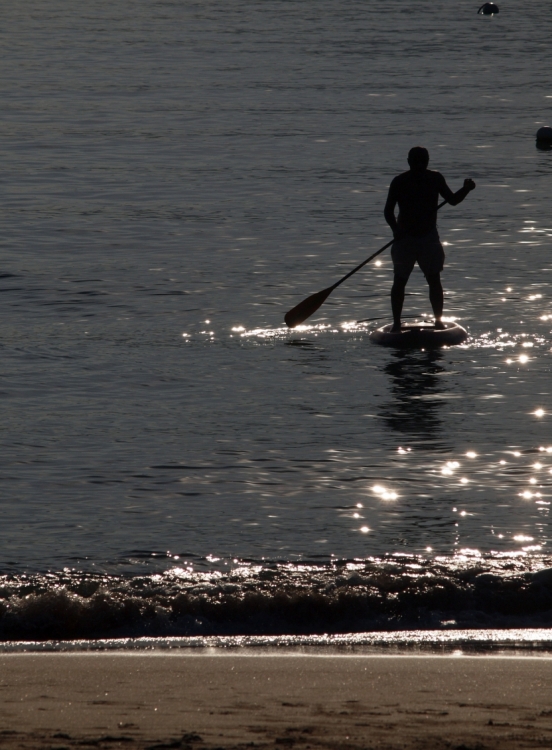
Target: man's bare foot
[(439, 325), (396, 328)]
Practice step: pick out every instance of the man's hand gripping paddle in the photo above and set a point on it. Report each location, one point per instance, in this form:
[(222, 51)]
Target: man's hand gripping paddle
[(309, 306)]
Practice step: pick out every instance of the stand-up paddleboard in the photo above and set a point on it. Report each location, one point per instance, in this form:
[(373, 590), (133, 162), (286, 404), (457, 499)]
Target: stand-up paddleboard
[(420, 336)]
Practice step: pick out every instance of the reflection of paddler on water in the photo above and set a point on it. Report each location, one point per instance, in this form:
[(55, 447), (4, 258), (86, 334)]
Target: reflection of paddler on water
[(418, 396), (416, 239)]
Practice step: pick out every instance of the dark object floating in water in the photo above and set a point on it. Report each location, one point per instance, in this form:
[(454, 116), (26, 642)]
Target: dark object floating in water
[(488, 9), (419, 336), (544, 137)]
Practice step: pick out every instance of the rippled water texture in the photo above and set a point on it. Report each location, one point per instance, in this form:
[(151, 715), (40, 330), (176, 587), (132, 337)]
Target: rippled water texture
[(176, 176)]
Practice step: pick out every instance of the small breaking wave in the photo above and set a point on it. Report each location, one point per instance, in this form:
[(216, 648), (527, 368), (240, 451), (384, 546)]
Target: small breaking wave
[(389, 594)]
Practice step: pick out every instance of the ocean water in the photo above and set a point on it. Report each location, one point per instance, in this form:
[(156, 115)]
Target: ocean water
[(174, 461)]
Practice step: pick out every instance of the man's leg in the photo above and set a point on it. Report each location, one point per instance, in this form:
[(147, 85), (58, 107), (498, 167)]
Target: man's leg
[(436, 297), (397, 300)]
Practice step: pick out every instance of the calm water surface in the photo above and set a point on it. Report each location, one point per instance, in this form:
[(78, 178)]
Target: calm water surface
[(175, 177)]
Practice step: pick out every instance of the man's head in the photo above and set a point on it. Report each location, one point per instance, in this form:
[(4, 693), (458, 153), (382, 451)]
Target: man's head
[(418, 158)]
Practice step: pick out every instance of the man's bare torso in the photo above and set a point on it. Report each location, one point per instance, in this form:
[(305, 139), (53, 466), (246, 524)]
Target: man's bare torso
[(417, 195)]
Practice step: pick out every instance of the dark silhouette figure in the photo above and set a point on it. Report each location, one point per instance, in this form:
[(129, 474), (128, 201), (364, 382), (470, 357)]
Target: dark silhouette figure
[(415, 230), (488, 9)]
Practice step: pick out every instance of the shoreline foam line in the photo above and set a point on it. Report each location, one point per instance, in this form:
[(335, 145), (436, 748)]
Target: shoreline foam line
[(481, 641)]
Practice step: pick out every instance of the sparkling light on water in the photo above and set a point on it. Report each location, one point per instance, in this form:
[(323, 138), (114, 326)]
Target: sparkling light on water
[(168, 407)]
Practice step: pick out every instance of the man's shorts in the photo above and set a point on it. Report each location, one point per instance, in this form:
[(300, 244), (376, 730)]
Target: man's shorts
[(427, 251)]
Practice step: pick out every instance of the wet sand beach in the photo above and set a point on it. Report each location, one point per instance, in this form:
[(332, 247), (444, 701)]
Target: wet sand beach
[(228, 701)]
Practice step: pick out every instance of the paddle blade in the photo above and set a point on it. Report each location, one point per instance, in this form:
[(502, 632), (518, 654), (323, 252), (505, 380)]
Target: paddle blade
[(307, 307)]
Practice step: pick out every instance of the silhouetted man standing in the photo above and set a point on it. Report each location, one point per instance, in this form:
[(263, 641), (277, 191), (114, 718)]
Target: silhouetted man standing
[(415, 231)]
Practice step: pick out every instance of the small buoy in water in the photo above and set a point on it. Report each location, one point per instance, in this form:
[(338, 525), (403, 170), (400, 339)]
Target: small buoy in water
[(488, 9), (544, 137)]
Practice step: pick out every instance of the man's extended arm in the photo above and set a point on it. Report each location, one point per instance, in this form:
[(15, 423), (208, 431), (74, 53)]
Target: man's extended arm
[(455, 198)]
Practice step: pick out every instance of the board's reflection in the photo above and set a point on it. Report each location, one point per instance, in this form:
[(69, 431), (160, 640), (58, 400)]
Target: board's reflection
[(416, 387)]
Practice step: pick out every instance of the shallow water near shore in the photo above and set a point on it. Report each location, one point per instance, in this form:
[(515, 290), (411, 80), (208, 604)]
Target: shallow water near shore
[(178, 176)]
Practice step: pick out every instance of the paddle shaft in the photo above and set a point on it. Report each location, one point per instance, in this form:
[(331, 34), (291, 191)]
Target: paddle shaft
[(364, 262), (310, 305)]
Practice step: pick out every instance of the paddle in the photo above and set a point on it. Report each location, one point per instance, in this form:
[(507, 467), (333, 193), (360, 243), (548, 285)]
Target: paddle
[(309, 306)]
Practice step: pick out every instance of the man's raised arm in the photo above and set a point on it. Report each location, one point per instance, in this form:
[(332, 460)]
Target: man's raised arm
[(455, 198)]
